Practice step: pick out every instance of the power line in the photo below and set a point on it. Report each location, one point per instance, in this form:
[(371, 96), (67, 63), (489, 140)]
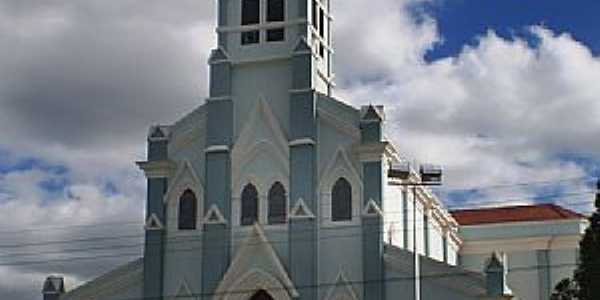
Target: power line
[(199, 232), (425, 277), (450, 207)]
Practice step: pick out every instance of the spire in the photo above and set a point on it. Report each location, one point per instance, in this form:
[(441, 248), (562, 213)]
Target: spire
[(54, 287), (495, 273)]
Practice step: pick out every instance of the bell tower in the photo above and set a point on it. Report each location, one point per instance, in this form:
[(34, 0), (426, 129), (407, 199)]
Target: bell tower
[(278, 53), (262, 31)]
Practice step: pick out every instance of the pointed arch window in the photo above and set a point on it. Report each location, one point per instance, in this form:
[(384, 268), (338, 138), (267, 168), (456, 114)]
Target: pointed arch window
[(261, 295), (188, 211), (249, 205), (341, 201), (277, 204)]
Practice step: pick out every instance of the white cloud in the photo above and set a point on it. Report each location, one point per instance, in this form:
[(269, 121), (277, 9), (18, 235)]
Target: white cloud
[(499, 112)]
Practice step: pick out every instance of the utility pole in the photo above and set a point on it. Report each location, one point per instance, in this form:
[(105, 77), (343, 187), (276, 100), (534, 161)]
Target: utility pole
[(428, 176)]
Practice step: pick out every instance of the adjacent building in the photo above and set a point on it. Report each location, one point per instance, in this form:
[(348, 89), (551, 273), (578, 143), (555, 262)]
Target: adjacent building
[(538, 243)]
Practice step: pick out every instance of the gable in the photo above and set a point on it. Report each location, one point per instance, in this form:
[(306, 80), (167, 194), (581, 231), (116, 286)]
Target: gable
[(261, 151), (256, 266)]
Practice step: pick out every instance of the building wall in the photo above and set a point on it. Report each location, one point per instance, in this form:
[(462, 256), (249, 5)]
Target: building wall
[(538, 254)]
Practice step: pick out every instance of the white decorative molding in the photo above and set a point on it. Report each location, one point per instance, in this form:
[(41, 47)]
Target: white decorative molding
[(263, 185), (301, 211), (221, 98), (342, 290), (372, 210), (153, 223), (340, 166), (304, 141), (262, 26), (185, 178), (301, 91), (214, 216), (373, 152), (339, 124), (216, 148), (212, 60), (183, 292), (256, 266), (156, 169), (549, 242), (300, 44), (260, 156)]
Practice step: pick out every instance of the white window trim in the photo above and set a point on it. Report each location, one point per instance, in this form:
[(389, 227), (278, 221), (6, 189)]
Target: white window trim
[(334, 172), (182, 182)]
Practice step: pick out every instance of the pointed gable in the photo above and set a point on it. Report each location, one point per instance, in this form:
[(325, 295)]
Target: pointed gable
[(185, 178), (302, 46), (372, 209), (154, 223), (214, 216), (261, 142), (340, 166), (218, 55), (301, 211), (256, 265), (342, 289)]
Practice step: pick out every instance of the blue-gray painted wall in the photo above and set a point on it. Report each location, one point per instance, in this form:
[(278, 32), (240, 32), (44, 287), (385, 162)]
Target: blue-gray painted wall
[(154, 241), (373, 265), (303, 233)]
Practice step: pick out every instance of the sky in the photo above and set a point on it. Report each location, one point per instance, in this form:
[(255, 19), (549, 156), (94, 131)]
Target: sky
[(503, 94)]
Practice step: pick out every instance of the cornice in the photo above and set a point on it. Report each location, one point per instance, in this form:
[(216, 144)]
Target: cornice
[(157, 169)]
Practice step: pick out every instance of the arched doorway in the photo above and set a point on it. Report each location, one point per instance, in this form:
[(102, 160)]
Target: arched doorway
[(262, 295)]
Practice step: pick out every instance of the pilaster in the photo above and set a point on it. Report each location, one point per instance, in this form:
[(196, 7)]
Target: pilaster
[(303, 233), (216, 237), (372, 152), (544, 274), (157, 170)]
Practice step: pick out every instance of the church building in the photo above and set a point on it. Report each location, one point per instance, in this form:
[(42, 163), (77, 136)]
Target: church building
[(273, 189)]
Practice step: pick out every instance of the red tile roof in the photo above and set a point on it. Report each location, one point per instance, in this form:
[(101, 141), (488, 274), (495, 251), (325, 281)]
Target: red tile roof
[(526, 213)]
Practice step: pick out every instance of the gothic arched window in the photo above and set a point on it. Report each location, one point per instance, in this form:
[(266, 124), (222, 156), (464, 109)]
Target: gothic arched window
[(188, 210), (249, 205), (261, 295), (277, 204), (341, 201)]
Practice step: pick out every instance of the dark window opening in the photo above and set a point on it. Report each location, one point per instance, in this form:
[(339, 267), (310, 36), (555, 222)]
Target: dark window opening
[(249, 205), (261, 295), (250, 37), (275, 35), (315, 11), (322, 50), (277, 204), (250, 12), (341, 201), (322, 23), (276, 11), (187, 211)]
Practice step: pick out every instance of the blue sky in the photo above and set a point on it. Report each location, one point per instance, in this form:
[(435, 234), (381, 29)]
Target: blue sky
[(462, 21)]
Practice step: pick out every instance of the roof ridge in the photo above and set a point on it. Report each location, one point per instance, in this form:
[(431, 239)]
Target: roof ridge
[(516, 213)]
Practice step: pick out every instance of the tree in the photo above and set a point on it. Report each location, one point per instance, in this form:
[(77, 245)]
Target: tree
[(587, 275), (565, 290)]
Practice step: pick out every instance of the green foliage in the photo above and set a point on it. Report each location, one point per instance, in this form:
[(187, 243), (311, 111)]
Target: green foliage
[(565, 290), (587, 275)]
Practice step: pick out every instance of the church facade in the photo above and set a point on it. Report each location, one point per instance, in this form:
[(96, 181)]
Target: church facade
[(275, 189)]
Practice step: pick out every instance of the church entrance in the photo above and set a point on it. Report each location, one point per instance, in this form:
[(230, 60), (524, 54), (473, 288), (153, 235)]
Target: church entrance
[(262, 295)]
